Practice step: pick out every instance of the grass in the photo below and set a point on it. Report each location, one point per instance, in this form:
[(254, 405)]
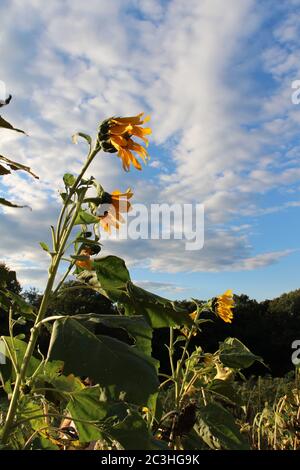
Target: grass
[(270, 414)]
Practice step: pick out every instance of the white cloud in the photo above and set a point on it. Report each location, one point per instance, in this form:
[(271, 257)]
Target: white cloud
[(70, 64), (160, 286)]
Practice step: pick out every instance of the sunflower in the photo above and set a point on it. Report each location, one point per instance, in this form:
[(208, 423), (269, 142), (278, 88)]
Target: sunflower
[(224, 305), (87, 263), (119, 202), (115, 135), (193, 315), (223, 373)]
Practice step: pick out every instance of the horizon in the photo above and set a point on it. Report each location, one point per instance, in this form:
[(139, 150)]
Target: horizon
[(221, 83)]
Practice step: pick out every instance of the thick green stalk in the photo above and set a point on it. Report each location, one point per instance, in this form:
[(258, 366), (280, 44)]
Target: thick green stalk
[(35, 331), (89, 159), (181, 363), (171, 352)]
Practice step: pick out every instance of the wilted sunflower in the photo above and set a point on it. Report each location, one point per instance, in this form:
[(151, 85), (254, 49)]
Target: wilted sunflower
[(88, 251), (119, 202), (115, 135), (224, 306), (193, 315), (223, 373)]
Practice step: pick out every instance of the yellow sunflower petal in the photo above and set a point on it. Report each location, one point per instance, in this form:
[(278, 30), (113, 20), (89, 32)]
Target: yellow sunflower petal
[(193, 315), (124, 155), (120, 129), (129, 120), (135, 162)]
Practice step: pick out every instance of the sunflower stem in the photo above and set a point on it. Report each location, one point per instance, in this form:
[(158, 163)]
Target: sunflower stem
[(60, 240)]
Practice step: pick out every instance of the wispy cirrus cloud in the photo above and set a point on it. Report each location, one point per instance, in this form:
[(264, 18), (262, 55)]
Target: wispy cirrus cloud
[(223, 136)]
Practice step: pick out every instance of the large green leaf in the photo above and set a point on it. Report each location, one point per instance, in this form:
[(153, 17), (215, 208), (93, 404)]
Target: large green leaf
[(193, 442), (112, 279), (216, 426), (109, 362), (95, 418), (112, 272), (87, 411), (158, 311), (223, 388), (17, 348), (17, 302), (132, 433), (233, 353)]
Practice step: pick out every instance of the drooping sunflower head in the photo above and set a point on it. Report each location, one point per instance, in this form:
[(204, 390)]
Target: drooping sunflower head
[(116, 204), (224, 305), (86, 251), (116, 135), (85, 263)]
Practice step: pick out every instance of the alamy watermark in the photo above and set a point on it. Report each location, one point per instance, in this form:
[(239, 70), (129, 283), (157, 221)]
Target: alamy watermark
[(158, 222), (295, 97)]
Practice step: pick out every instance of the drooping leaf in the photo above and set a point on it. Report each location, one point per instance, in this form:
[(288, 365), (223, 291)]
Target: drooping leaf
[(109, 362), (224, 389), (7, 203), (158, 311), (6, 125), (233, 353), (216, 426), (18, 303), (30, 408), (84, 136), (41, 442), (132, 433), (15, 166), (112, 279), (4, 171), (112, 273), (193, 442), (137, 327), (86, 407)]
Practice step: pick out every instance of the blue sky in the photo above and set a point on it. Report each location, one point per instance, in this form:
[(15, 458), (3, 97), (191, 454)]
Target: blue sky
[(216, 78)]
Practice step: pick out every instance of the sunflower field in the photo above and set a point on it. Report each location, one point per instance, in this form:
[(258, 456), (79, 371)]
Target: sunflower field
[(96, 384)]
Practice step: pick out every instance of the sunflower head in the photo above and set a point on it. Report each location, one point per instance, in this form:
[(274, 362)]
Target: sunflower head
[(116, 203), (104, 137), (224, 305), (119, 200), (85, 263), (116, 135)]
